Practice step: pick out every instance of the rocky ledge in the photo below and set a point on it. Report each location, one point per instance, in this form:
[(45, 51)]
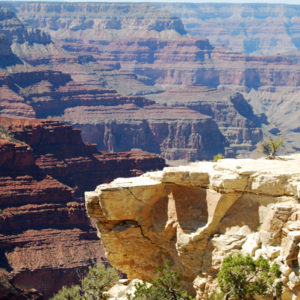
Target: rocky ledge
[(195, 215)]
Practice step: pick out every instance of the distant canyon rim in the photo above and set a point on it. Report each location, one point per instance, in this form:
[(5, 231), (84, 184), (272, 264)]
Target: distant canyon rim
[(183, 81), (175, 75)]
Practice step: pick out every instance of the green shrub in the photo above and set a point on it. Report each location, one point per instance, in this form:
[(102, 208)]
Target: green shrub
[(92, 287), (242, 277), (270, 147), (68, 293), (218, 157), (5, 134), (166, 286)]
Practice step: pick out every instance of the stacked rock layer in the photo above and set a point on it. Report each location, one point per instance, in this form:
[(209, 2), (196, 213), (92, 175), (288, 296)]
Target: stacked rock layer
[(46, 239), (195, 215)]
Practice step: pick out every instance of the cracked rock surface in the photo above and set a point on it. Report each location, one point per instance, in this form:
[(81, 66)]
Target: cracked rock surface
[(196, 215)]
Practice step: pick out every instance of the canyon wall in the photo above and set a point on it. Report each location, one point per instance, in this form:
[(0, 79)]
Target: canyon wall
[(42, 89), (259, 28), (162, 57), (46, 239), (152, 43), (197, 214), (90, 82)]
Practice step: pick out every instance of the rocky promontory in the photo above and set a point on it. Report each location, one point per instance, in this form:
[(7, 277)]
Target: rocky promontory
[(46, 239), (197, 214)]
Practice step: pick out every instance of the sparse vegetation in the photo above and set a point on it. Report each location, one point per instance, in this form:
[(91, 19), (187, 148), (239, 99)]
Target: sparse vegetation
[(5, 134), (242, 277), (270, 147), (218, 157), (166, 286), (92, 287)]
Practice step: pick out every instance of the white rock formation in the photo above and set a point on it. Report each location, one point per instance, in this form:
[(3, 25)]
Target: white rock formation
[(195, 215)]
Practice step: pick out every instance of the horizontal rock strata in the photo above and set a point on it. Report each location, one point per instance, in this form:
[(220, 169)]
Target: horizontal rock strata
[(174, 132), (197, 214), (46, 239), (160, 57), (250, 28)]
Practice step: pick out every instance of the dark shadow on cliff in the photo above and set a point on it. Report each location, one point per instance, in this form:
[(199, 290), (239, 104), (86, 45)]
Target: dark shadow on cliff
[(11, 60), (191, 207), (246, 110), (3, 260)]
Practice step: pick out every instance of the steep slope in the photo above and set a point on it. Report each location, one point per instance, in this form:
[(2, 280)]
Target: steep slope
[(196, 215), (46, 240), (176, 133), (234, 117)]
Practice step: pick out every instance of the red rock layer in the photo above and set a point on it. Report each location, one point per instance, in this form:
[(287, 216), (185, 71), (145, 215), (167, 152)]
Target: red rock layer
[(46, 240), (166, 55)]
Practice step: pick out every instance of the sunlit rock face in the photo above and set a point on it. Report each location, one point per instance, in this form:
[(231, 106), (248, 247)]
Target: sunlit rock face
[(195, 215)]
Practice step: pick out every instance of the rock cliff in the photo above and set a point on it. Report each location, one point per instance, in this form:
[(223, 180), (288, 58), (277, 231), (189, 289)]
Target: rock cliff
[(152, 44), (161, 57), (197, 214), (256, 28), (174, 132), (41, 92), (46, 239)]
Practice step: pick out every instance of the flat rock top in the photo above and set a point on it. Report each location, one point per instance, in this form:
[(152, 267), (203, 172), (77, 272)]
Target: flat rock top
[(130, 112), (281, 165), (280, 176)]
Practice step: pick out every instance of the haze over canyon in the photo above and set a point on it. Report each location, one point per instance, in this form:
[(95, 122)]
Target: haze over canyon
[(159, 71), (94, 91)]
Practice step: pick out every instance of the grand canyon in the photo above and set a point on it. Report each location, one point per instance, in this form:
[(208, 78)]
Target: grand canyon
[(90, 92)]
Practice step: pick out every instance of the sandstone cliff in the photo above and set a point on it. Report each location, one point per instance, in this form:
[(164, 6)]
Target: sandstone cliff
[(195, 215), (174, 132), (46, 240)]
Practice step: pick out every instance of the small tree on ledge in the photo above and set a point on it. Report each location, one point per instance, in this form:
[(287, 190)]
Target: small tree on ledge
[(270, 147), (242, 277)]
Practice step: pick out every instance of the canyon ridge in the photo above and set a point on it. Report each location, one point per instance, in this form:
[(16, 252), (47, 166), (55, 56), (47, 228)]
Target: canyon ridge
[(121, 52), (46, 239), (87, 90)]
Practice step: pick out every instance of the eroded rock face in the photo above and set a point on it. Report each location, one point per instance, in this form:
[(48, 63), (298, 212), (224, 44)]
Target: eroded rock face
[(142, 49), (174, 132), (151, 43), (197, 214), (46, 239)]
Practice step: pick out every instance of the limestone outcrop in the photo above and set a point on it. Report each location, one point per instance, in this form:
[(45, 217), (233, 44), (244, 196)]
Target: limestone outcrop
[(195, 215)]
